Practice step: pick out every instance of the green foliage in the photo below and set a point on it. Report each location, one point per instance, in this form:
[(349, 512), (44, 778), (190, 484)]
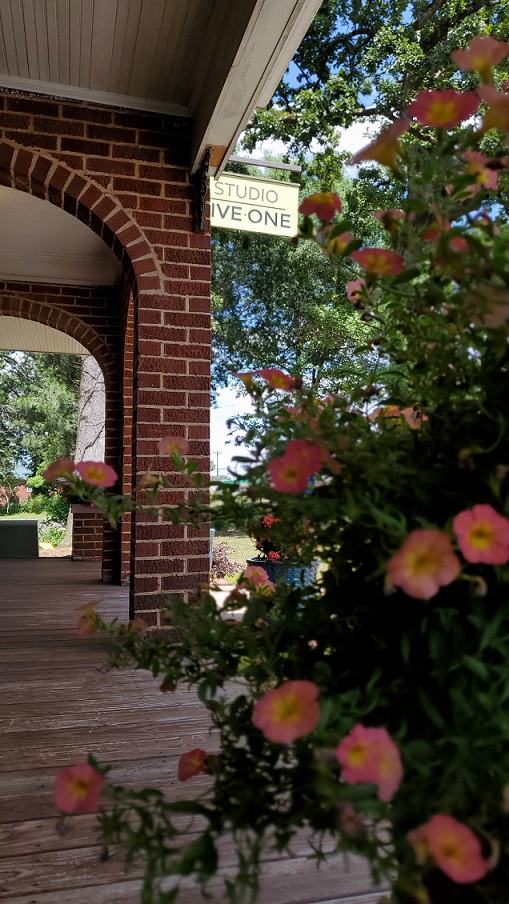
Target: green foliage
[(51, 532), (403, 454), (38, 408), (361, 60)]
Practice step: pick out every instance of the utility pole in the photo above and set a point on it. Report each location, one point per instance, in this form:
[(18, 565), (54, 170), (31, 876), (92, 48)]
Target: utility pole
[(217, 454)]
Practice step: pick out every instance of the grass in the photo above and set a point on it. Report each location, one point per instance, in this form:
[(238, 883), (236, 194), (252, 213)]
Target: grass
[(27, 516), (242, 547)]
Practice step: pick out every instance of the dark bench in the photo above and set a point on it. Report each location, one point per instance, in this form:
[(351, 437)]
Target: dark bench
[(19, 539)]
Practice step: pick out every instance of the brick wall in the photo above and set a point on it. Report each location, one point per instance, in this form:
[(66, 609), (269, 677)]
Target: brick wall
[(87, 533), (125, 175)]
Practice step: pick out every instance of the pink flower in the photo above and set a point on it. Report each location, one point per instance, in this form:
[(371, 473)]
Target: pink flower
[(191, 764), (256, 576), (497, 116), (418, 838), (480, 55), (478, 165), (338, 243), (273, 556), (288, 712), (323, 203), (453, 846), (386, 147), (424, 563), (483, 535), (97, 473), (86, 626), (148, 481), (277, 379), (78, 789), (390, 219), (355, 289), (459, 244), (173, 445), (443, 109), (62, 467), (370, 755), (291, 472), (246, 378), (351, 823), (379, 261)]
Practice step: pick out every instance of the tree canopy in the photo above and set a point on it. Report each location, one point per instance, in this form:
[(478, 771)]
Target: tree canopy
[(38, 409), (275, 304), (363, 60)]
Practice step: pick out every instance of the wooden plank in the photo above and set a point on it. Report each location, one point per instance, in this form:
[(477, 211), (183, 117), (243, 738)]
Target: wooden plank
[(57, 702)]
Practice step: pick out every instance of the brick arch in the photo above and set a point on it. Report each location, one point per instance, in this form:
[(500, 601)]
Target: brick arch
[(26, 308), (38, 174)]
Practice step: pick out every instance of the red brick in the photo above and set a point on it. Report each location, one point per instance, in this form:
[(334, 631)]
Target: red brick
[(32, 105), (96, 148), (87, 114), (131, 152), (41, 169), (105, 165), (76, 186), (24, 160), (148, 282), (15, 121), (6, 155), (111, 133)]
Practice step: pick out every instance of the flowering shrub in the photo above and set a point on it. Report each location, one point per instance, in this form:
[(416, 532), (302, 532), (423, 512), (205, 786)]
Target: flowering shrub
[(370, 706)]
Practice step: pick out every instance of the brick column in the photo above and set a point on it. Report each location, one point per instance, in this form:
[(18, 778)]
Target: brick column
[(87, 533), (172, 397)]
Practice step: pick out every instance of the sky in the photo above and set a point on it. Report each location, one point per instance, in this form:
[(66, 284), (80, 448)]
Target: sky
[(228, 403)]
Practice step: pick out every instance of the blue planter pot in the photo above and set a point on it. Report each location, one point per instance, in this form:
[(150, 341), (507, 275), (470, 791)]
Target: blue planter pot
[(288, 572)]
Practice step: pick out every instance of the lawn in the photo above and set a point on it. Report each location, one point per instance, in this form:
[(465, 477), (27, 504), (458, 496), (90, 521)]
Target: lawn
[(27, 516), (242, 547)]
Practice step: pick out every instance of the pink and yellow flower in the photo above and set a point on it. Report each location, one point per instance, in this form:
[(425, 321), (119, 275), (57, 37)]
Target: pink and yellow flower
[(191, 764), (246, 378), (480, 55), (386, 147), (351, 823), (173, 445), (477, 164), (497, 115), (370, 755), (323, 203), (424, 563), (78, 789), (338, 244), (277, 379), (288, 712), (62, 467), (97, 473), (291, 472), (379, 261), (453, 846), (444, 109), (86, 626), (483, 535), (256, 576), (355, 289)]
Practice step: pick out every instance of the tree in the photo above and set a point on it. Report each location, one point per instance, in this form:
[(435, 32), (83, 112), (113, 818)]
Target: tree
[(275, 305), (38, 409), (361, 60)]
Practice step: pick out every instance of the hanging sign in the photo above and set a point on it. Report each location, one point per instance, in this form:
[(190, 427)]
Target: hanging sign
[(253, 204)]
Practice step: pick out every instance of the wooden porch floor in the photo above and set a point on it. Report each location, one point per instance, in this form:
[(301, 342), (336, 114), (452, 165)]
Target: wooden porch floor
[(57, 704)]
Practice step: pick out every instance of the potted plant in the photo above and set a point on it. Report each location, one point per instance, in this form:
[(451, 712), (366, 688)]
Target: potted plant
[(280, 563)]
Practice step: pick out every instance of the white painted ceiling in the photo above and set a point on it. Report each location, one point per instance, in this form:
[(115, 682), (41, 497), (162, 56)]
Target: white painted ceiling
[(213, 61), (17, 334), (40, 242)]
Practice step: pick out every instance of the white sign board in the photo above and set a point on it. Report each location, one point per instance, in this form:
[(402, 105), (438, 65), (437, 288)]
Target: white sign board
[(254, 204)]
